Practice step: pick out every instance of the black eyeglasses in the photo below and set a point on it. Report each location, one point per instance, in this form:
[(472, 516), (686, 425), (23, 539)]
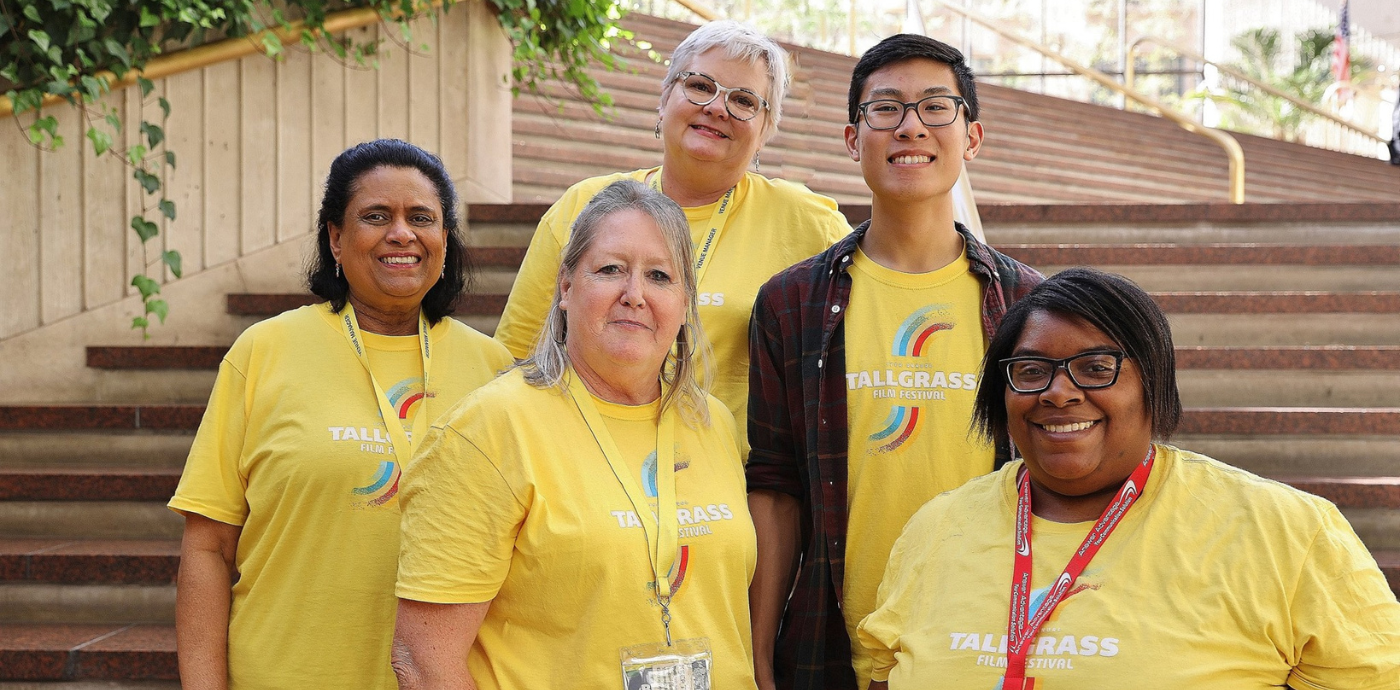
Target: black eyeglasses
[(1089, 370), (934, 111), (702, 89)]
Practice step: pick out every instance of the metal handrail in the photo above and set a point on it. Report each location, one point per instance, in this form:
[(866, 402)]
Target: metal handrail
[(1130, 74), (203, 56), (700, 10), (1232, 147)]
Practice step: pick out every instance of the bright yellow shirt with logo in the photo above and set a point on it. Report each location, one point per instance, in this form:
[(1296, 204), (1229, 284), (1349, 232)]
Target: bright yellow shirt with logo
[(294, 450), (511, 501), (772, 224), (914, 345), (1215, 580)]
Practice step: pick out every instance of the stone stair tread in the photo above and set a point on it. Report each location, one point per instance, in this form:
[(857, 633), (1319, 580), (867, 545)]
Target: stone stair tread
[(1202, 254), (1351, 492), (87, 652), (1291, 420), (73, 561), (155, 356), (88, 484), (271, 304), (177, 417), (1310, 357)]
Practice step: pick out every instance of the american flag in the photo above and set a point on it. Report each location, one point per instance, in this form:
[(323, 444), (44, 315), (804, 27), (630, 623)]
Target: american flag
[(1341, 55)]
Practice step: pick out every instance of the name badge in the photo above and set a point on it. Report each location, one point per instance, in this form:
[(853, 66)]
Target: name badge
[(685, 665)]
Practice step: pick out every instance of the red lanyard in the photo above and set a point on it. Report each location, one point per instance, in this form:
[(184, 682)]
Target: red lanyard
[(1020, 632)]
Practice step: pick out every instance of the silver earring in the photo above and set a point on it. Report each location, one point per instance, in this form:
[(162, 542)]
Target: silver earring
[(755, 161), (337, 269), (658, 129)]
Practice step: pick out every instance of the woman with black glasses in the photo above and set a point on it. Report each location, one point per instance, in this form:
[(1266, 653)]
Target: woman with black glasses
[(721, 100), (1107, 560)]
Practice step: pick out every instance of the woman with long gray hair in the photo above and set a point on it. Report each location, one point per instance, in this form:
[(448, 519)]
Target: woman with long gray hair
[(581, 521)]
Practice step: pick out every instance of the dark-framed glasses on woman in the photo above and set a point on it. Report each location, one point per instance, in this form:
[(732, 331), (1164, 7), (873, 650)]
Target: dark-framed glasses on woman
[(702, 89), (934, 111), (1088, 370)]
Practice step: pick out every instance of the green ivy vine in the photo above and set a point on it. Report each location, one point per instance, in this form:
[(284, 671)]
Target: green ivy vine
[(76, 50)]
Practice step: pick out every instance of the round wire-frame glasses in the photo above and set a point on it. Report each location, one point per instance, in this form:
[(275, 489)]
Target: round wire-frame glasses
[(702, 89)]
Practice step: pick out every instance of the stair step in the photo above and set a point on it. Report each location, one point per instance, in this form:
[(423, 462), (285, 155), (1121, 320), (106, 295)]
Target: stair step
[(1324, 357), (1291, 387), (1299, 302), (94, 604), (1351, 492), (248, 304), (104, 449), (1282, 455), (69, 520), (1389, 561), (110, 417), (1291, 420), (88, 484), (1284, 330), (87, 653), (82, 561), (1203, 254)]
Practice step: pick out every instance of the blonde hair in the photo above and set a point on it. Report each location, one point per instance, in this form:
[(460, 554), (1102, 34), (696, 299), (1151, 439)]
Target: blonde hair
[(688, 364)]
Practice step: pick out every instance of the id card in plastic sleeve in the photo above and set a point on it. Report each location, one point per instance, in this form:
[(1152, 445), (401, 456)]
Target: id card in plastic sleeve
[(685, 665)]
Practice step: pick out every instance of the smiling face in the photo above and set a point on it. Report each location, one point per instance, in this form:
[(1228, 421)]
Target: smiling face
[(707, 134), (391, 242), (1077, 442), (912, 162), (624, 302)]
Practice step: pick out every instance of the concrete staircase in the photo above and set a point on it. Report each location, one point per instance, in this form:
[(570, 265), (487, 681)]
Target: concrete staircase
[(1039, 149), (1286, 318)]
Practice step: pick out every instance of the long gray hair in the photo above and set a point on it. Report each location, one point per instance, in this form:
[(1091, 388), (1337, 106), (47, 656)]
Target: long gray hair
[(688, 364)]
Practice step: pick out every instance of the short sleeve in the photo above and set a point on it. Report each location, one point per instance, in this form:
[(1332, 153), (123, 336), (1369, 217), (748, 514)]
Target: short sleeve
[(880, 631), (460, 520), (1346, 622), (213, 484), (534, 286)]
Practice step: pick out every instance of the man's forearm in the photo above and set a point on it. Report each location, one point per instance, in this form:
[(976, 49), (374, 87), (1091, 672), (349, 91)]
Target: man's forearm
[(777, 522)]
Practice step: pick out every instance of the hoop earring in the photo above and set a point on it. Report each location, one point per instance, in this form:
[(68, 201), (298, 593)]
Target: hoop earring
[(658, 128), (337, 269)]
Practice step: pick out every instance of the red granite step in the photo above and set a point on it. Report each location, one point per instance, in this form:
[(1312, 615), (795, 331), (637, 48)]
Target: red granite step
[(1351, 492), (1389, 561), (1309, 302), (156, 357), (1291, 420), (86, 561), (246, 304), (90, 417), (88, 484), (1201, 254), (1310, 357), (87, 652)]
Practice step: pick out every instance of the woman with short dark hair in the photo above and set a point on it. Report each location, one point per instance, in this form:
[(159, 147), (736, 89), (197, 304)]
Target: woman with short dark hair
[(290, 493), (1106, 560)]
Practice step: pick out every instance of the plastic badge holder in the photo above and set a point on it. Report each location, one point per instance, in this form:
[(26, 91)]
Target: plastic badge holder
[(685, 665)]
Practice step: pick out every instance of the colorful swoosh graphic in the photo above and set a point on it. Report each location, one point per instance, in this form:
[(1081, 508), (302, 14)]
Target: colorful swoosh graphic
[(901, 426), (911, 335), (387, 476), (403, 394)]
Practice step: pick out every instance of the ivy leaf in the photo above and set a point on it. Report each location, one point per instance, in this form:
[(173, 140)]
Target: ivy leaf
[(158, 307), (135, 155), (164, 106), (40, 38), (170, 159), (101, 141), (146, 84), (147, 286), (32, 13), (167, 208), (149, 182), (114, 121), (142, 323), (145, 229), (272, 45), (154, 134), (171, 258)]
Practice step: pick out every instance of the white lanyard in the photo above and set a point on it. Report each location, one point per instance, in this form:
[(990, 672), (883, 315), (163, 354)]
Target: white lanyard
[(662, 529), (403, 447), (718, 220)]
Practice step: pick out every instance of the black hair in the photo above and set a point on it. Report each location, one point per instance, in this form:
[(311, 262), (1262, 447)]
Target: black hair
[(901, 47), (341, 185), (1114, 305)]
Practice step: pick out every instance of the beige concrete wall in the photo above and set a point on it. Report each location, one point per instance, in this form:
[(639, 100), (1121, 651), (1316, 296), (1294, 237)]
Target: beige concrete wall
[(253, 139)]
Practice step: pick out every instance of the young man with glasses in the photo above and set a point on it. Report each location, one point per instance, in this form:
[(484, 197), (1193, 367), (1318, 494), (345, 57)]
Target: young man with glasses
[(863, 369)]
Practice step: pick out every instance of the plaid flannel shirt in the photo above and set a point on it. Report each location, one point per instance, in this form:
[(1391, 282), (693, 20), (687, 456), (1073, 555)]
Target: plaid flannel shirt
[(798, 430)]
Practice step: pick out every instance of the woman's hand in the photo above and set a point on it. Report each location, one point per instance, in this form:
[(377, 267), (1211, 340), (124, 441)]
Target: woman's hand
[(202, 598), (431, 642)]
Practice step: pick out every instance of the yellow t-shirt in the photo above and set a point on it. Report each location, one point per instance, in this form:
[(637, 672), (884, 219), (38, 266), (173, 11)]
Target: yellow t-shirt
[(914, 345), (773, 224), (1216, 579), (293, 449), (511, 501)]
